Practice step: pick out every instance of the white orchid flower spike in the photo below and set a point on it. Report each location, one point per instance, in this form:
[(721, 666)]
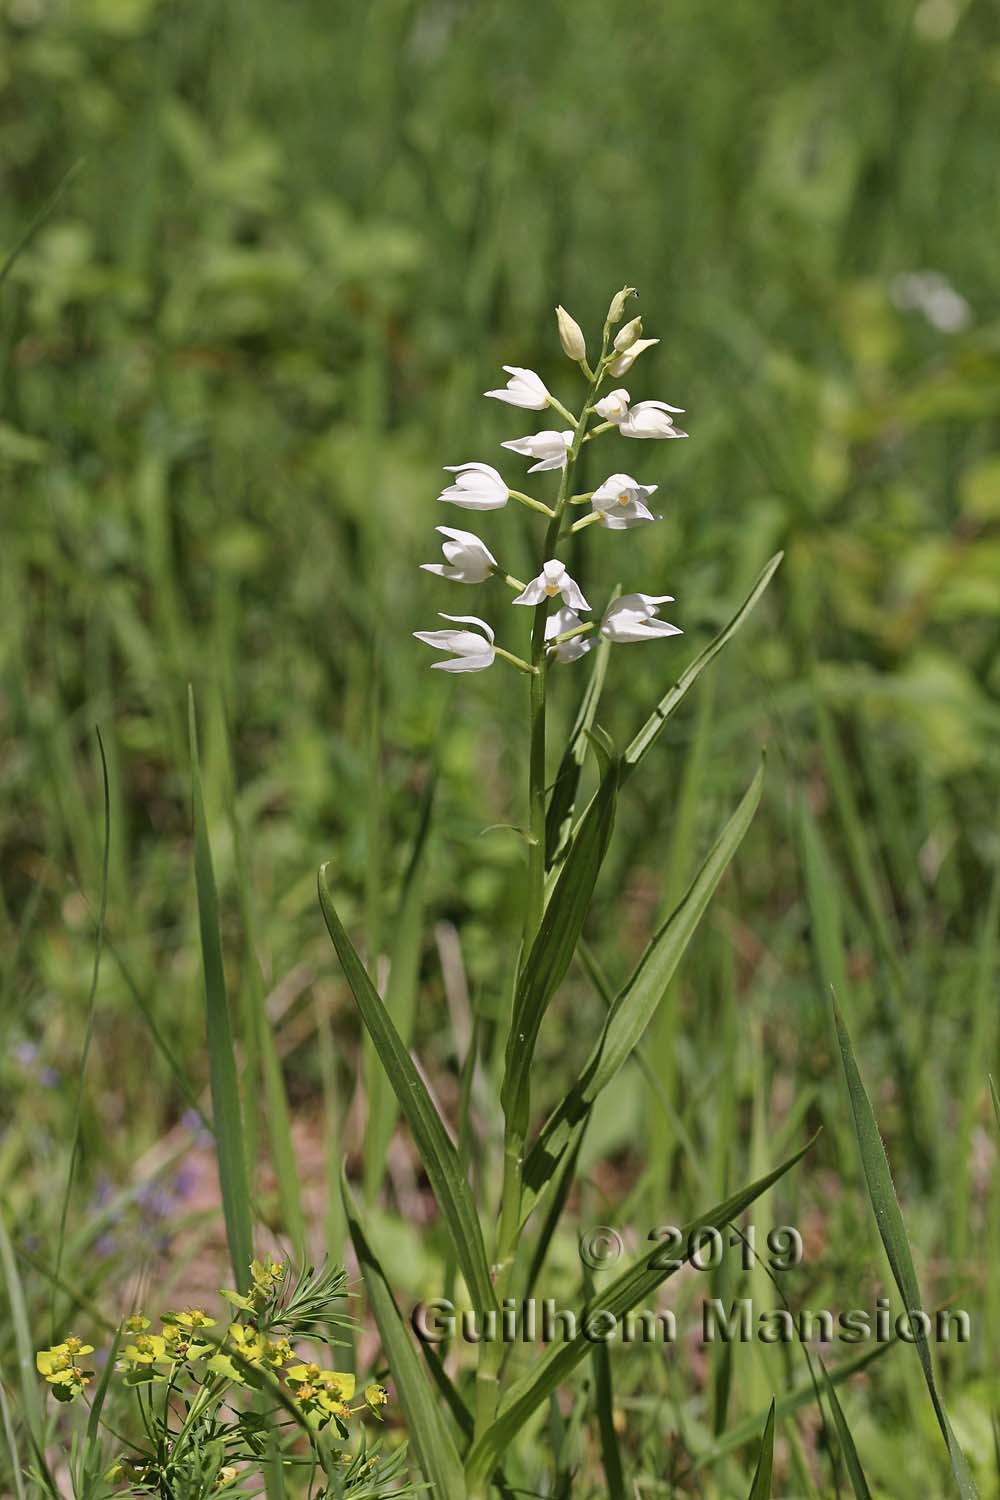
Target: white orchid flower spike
[(651, 419), (553, 580), (477, 487), (549, 447), (467, 559), (560, 622), (633, 618), (471, 652), (524, 388), (621, 502)]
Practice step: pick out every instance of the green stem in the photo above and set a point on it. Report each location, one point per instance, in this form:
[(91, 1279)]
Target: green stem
[(530, 503)]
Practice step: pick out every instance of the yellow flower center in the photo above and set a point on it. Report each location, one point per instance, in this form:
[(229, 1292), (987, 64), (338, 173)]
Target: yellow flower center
[(624, 497), (306, 1392), (551, 590), (73, 1345), (196, 1317)]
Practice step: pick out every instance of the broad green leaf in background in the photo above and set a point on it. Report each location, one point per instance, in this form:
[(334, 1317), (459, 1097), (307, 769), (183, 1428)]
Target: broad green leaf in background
[(440, 1159), (630, 1289), (889, 1219), (761, 1487), (632, 1010), (227, 1117), (431, 1439)]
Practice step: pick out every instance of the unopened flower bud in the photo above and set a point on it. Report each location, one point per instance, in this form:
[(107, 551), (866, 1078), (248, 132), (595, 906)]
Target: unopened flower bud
[(618, 303), (571, 335), (627, 336)]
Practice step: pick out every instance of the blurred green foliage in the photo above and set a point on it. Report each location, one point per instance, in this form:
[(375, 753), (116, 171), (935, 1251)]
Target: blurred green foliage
[(267, 260)]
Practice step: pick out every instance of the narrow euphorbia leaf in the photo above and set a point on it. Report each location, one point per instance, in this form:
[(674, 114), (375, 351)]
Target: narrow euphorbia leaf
[(995, 1097), (431, 1439), (629, 1290), (635, 1005), (852, 1462), (889, 1219), (555, 943), (672, 700), (227, 1114), (761, 1487), (440, 1159)]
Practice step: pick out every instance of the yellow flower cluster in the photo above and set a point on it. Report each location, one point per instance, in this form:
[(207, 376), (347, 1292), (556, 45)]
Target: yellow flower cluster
[(61, 1367)]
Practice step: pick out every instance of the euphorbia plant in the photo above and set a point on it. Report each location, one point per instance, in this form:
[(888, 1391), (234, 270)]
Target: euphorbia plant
[(463, 1441)]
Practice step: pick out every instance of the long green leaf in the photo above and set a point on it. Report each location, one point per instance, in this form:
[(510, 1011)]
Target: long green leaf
[(633, 1008), (852, 1462), (761, 1487), (630, 1289), (440, 1159), (558, 820), (889, 1219), (432, 1441), (672, 700), (554, 946), (31, 1401), (227, 1115), (400, 996)]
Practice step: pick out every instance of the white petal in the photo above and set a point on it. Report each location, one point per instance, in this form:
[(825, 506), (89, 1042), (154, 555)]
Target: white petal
[(533, 594), (471, 620), (466, 663), (574, 598)]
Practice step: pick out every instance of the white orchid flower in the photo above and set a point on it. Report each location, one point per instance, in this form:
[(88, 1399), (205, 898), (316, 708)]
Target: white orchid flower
[(472, 653), (614, 406), (467, 559), (550, 448), (651, 419), (633, 618), (478, 487), (560, 622), (621, 502), (553, 580), (628, 357), (524, 388)]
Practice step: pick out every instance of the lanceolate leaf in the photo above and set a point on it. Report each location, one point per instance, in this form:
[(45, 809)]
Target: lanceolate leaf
[(563, 799), (431, 1439), (555, 944), (889, 1219), (629, 1290), (672, 700), (440, 1159), (635, 1005), (761, 1487), (227, 1115)]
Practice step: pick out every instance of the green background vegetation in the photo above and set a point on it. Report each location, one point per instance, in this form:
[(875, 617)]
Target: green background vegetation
[(275, 253)]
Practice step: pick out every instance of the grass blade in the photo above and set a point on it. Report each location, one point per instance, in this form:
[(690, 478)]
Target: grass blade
[(761, 1487), (627, 1291), (400, 996), (227, 1114), (672, 700), (74, 1149), (439, 1157), (432, 1442), (889, 1219), (852, 1462)]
